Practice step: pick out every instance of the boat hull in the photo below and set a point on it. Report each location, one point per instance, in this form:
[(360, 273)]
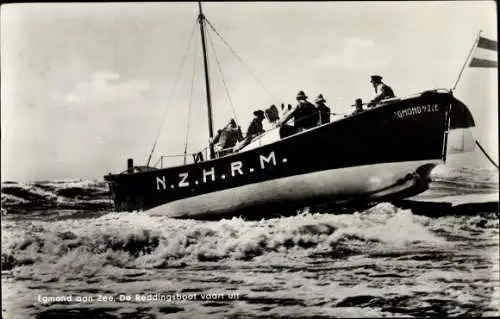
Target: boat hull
[(355, 158), (347, 185)]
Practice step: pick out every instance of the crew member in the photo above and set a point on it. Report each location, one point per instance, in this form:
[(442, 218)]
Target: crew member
[(323, 111), (254, 129), (228, 137), (382, 90), (304, 114)]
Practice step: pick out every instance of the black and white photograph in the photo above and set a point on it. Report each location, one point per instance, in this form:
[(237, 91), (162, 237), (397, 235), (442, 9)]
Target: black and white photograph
[(254, 159)]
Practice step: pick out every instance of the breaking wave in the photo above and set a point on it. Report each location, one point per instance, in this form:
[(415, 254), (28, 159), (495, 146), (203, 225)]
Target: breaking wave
[(69, 248), (41, 198)]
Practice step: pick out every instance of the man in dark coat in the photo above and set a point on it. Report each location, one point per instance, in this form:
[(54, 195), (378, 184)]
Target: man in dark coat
[(227, 138), (304, 114), (323, 110), (229, 135), (254, 129)]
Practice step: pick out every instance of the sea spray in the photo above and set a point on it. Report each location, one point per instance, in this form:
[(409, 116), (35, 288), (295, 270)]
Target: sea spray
[(125, 240)]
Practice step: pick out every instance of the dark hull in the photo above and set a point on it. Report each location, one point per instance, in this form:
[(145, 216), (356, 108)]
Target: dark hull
[(405, 131)]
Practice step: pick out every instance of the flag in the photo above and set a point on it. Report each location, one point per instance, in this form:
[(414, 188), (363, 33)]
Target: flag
[(483, 55)]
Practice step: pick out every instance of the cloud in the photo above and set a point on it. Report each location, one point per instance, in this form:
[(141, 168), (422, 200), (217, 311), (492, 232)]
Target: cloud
[(102, 88), (357, 53)]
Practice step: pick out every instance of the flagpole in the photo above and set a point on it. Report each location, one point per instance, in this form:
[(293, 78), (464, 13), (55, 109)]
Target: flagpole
[(467, 60)]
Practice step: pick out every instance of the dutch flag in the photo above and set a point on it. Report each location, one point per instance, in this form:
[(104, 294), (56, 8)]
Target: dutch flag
[(485, 54)]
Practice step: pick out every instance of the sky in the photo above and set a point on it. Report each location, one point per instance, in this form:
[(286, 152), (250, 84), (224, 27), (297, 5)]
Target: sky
[(84, 86)]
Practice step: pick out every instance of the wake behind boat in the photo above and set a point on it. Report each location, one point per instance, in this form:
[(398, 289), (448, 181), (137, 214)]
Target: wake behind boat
[(385, 152)]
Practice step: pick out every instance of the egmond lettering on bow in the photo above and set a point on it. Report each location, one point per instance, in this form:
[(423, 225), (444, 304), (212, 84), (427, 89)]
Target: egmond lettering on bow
[(416, 110)]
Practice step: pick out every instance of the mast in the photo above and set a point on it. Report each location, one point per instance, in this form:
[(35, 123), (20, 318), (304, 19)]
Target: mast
[(201, 20)]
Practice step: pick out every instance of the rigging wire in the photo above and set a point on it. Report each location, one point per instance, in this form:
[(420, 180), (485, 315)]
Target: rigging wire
[(171, 94), (236, 55), (190, 103), (223, 80), (486, 154), (476, 40)]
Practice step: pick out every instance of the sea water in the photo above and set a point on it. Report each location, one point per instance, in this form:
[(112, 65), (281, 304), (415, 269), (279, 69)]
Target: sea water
[(65, 254)]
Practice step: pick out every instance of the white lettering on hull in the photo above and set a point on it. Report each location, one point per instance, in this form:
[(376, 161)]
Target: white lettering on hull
[(236, 166), (234, 169), (183, 182), (416, 110), (209, 173), (161, 181), (268, 159)]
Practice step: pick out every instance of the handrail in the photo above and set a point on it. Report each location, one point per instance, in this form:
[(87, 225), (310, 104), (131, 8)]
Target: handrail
[(301, 119), (161, 157), (437, 90)]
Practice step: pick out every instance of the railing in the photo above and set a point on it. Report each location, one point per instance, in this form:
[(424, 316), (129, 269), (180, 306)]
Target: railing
[(438, 90), (193, 157)]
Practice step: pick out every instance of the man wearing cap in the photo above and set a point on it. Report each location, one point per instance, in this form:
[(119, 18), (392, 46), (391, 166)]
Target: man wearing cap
[(382, 90), (323, 111), (254, 129), (304, 114)]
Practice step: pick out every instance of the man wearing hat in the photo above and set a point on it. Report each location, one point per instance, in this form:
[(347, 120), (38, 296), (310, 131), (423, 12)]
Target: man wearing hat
[(254, 129), (382, 90), (304, 114), (323, 110)]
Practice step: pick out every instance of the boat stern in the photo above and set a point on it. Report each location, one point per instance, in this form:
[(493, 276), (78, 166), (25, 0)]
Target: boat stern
[(127, 187)]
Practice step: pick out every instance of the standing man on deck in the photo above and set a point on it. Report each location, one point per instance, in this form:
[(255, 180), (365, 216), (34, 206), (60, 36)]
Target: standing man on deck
[(382, 90), (323, 110), (304, 114), (254, 129)]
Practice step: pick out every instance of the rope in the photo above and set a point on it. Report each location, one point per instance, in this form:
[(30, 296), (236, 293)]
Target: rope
[(223, 80), (190, 106), (171, 95), (236, 55), (486, 154)]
